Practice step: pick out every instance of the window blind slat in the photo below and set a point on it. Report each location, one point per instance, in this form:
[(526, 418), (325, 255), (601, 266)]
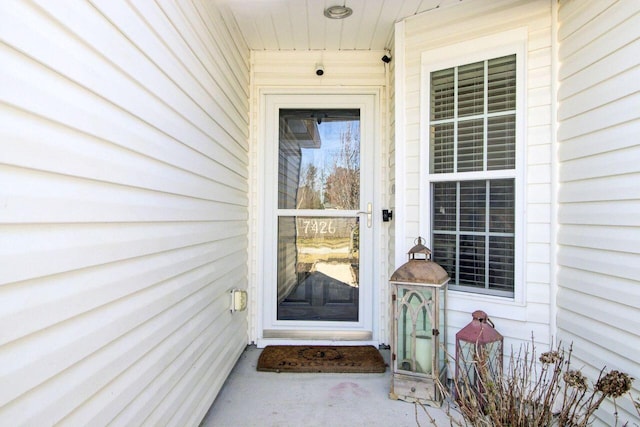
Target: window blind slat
[(444, 202), (501, 142), (502, 206), (444, 253), (501, 256), (501, 85), (442, 94), (471, 89), (470, 145), (473, 196), (471, 269), (442, 146)]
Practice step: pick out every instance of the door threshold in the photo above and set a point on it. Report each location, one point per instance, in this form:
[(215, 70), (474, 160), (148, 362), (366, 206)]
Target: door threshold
[(298, 334), (263, 342), (315, 337)]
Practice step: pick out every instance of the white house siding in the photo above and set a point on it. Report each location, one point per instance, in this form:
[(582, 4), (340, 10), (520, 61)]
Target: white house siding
[(292, 71), (517, 320), (123, 210), (599, 190)]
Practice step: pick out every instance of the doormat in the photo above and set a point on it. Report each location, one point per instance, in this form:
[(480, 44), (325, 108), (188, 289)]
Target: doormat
[(339, 359)]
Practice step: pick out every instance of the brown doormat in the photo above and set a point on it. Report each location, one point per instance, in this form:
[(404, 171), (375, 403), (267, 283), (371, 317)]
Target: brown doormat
[(341, 359)]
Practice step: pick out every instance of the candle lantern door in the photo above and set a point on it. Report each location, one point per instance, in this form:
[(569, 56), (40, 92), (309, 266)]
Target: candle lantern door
[(479, 353), (418, 294)]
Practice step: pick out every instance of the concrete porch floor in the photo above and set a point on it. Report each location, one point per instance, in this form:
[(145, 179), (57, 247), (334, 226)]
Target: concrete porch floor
[(267, 399)]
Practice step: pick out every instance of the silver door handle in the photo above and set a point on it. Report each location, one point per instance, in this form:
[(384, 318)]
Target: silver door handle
[(369, 213)]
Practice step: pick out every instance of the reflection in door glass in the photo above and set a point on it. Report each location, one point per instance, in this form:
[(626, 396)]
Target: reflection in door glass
[(318, 268), (318, 255), (319, 159)]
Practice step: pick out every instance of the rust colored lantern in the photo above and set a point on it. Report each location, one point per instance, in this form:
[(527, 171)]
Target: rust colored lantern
[(418, 294), (479, 350)]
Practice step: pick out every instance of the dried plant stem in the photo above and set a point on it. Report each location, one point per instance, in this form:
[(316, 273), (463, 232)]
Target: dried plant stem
[(531, 392)]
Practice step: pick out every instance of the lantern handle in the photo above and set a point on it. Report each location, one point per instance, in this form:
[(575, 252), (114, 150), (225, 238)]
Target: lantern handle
[(481, 316)]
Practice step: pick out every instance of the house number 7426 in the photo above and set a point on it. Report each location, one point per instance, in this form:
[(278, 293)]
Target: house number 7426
[(318, 226)]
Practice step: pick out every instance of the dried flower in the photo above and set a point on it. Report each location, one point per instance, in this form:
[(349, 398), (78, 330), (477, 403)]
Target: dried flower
[(614, 384), (575, 379), (550, 357)]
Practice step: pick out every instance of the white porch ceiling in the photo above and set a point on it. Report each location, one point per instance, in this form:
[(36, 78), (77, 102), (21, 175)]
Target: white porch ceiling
[(301, 24)]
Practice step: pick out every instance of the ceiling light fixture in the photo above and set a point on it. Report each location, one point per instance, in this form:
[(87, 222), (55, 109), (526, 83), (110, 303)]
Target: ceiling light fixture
[(338, 12)]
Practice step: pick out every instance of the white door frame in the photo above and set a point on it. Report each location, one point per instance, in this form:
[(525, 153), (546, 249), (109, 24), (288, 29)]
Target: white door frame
[(269, 330)]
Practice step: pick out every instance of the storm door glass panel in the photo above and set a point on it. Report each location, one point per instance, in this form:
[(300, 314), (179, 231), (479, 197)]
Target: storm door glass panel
[(318, 224)]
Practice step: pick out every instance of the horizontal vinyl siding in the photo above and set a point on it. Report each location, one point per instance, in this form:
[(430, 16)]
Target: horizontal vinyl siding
[(599, 195), (123, 210), (517, 321)]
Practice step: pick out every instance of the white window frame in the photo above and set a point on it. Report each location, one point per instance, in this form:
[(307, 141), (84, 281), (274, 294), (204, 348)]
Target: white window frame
[(476, 50)]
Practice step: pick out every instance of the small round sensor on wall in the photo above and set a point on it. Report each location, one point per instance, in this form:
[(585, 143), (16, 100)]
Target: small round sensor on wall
[(319, 70)]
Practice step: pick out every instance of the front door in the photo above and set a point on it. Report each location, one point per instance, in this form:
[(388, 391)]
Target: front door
[(319, 178)]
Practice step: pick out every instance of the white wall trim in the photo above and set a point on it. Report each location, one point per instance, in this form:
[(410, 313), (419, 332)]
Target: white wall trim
[(553, 241), (399, 212)]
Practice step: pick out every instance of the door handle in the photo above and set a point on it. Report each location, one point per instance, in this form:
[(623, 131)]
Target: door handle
[(369, 213)]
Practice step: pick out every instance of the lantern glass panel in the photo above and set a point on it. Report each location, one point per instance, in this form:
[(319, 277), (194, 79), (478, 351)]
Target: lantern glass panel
[(493, 359), (414, 334), (466, 369), (479, 364)]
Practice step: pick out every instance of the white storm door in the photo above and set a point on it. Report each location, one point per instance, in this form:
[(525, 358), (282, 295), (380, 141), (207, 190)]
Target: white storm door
[(318, 221)]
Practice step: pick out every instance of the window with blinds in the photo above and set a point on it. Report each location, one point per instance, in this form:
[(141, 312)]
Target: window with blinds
[(472, 174)]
